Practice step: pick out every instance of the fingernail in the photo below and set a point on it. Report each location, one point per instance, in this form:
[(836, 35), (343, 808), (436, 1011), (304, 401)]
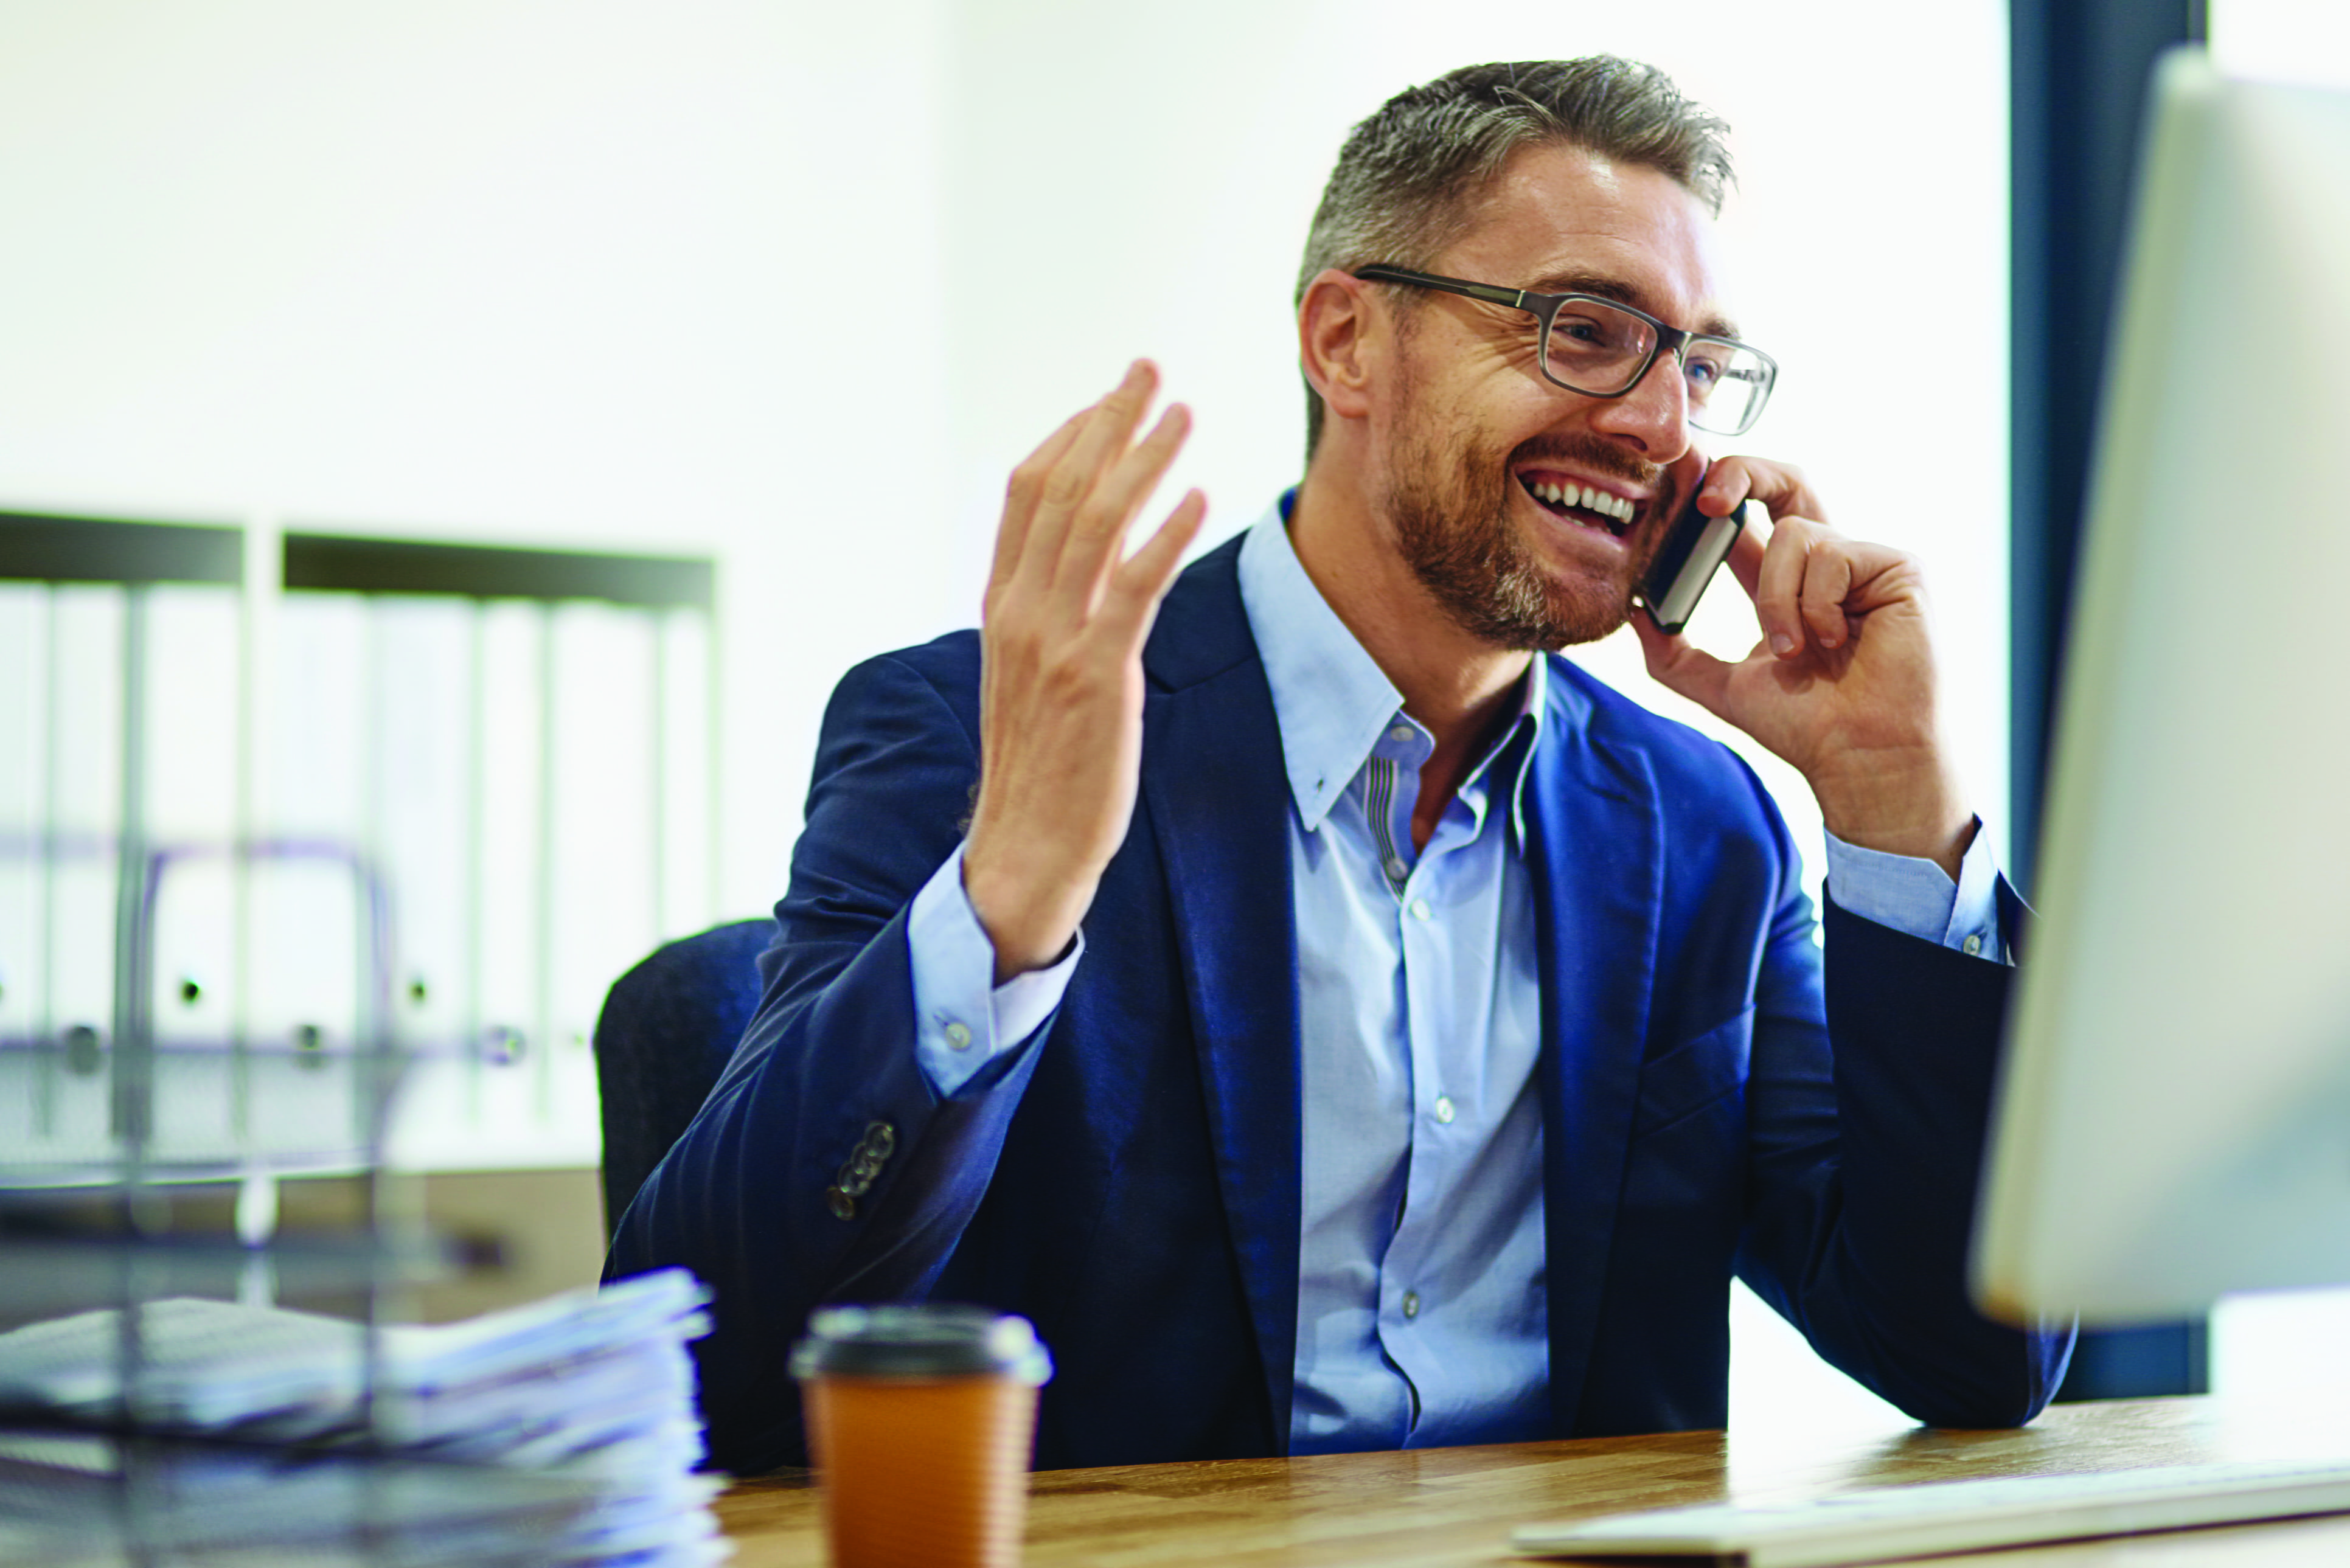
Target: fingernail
[(1782, 644)]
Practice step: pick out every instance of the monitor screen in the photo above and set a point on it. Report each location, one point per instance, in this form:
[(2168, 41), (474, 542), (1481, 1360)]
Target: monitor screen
[(2174, 1117)]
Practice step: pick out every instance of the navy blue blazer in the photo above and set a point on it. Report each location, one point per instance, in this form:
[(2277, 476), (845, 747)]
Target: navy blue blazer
[(1132, 1184)]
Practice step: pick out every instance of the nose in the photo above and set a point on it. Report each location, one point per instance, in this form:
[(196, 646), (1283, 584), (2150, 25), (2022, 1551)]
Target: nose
[(1653, 417)]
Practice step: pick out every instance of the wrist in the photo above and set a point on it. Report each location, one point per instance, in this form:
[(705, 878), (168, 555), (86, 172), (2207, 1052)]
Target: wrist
[(1029, 918), (1908, 805)]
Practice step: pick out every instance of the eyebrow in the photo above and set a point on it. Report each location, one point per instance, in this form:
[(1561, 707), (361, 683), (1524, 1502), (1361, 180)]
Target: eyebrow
[(1615, 288)]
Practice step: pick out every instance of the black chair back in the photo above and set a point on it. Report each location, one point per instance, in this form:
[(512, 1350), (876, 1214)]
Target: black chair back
[(667, 1029)]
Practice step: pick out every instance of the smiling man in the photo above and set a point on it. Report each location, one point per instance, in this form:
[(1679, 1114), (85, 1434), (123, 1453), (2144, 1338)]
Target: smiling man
[(1336, 1019)]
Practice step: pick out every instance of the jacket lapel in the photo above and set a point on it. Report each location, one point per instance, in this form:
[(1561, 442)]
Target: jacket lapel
[(1598, 863), (1213, 787)]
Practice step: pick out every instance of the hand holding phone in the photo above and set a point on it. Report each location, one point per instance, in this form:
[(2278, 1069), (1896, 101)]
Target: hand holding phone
[(1693, 548)]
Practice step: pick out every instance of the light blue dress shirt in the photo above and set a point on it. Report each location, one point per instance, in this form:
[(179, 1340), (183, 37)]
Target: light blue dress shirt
[(1421, 1317)]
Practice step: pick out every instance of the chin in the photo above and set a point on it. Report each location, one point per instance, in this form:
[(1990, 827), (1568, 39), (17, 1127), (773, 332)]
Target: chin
[(1510, 581)]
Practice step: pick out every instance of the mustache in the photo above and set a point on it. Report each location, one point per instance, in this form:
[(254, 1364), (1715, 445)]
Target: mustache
[(1590, 454)]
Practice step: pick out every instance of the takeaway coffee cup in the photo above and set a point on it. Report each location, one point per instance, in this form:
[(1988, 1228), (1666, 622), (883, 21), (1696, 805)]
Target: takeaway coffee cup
[(921, 1418)]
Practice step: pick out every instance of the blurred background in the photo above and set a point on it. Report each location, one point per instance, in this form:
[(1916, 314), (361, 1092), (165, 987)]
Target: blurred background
[(788, 288)]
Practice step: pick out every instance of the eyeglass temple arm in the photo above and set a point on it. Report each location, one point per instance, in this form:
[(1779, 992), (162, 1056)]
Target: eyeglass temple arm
[(1490, 294)]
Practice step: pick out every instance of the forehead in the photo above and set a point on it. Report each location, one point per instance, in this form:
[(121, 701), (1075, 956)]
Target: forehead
[(1561, 218)]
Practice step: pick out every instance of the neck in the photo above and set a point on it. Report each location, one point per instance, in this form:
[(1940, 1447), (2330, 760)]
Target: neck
[(1459, 686)]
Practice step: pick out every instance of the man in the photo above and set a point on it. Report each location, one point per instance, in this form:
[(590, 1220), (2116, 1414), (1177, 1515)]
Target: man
[(1336, 1021)]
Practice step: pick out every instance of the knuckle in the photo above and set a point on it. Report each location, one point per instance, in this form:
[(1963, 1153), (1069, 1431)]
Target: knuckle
[(1064, 678), (1065, 487)]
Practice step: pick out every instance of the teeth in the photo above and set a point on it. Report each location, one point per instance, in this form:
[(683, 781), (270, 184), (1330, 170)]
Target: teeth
[(1585, 496)]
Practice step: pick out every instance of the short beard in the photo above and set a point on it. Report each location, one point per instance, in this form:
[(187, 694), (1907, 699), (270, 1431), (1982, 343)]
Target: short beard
[(1465, 553)]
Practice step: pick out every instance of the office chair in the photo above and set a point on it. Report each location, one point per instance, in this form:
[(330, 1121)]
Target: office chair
[(666, 1032)]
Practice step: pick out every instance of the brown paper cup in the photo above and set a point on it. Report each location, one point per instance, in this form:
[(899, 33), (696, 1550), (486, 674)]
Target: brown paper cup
[(921, 1420), (923, 1473)]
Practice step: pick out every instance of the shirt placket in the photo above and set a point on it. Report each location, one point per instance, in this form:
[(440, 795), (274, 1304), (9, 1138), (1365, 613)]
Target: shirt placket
[(1424, 893)]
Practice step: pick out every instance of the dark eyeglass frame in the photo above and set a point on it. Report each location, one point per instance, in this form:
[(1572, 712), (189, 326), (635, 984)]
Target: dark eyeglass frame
[(1545, 308)]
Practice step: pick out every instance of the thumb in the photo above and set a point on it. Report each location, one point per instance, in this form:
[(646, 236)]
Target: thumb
[(1682, 668)]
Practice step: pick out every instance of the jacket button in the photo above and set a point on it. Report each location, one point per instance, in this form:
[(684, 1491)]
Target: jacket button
[(842, 1205), (882, 1138)]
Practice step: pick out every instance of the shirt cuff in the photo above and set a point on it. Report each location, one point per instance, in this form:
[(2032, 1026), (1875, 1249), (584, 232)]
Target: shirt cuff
[(1917, 897), (962, 1024)]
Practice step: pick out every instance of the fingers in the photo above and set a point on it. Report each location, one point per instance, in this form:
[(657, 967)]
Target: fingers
[(1069, 504), (1797, 599), (1021, 495), (1131, 600), (1099, 526), (1780, 486), (1827, 584), (1804, 586), (1101, 439), (1779, 588), (1811, 586)]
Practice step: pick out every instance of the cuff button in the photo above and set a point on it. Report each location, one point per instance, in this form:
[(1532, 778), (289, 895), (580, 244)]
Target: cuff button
[(842, 1205)]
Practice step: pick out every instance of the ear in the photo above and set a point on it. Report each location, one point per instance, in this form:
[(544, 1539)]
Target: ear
[(1335, 325)]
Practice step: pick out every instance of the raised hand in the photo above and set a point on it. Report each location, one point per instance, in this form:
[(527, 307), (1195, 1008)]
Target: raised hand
[(1061, 681), (1841, 684)]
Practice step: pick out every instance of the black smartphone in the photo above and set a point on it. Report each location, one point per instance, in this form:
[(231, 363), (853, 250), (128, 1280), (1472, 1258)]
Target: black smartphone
[(1694, 548)]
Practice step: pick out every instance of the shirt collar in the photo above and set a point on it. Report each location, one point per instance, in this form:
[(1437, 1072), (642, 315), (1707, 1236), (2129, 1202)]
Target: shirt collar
[(1330, 699)]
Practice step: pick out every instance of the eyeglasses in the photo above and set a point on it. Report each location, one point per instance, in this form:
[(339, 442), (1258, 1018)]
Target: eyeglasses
[(1601, 349)]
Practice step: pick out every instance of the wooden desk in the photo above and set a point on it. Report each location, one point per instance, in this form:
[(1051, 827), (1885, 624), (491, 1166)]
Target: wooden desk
[(1451, 1507)]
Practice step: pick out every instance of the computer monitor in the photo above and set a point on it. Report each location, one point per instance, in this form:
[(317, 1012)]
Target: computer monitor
[(2174, 1113)]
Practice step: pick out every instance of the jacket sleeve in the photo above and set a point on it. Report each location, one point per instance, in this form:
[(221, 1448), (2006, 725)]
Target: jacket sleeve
[(1867, 1159), (824, 1167)]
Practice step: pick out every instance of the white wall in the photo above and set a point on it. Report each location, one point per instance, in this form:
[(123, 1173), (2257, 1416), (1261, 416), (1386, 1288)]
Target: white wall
[(607, 274), (796, 284)]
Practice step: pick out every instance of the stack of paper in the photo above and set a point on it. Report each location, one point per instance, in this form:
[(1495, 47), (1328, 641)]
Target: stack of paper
[(562, 1432)]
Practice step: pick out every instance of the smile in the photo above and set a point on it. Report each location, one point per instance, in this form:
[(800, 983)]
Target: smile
[(1581, 503)]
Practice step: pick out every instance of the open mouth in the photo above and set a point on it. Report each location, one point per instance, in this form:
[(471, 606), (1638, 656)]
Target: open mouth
[(1581, 503)]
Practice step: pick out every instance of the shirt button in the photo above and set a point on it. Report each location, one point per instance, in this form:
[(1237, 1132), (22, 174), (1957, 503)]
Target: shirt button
[(1400, 733), (1974, 945), (1421, 911), (958, 1036), (1411, 1304), (1444, 1109), (1398, 869)]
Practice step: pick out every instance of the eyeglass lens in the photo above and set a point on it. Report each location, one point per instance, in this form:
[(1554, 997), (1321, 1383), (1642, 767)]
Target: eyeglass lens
[(1596, 348)]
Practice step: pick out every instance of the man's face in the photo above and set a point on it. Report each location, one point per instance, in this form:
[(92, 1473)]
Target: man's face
[(1475, 435)]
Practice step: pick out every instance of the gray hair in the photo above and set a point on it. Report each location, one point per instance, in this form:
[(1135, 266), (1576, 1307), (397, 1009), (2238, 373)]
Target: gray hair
[(1410, 178)]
